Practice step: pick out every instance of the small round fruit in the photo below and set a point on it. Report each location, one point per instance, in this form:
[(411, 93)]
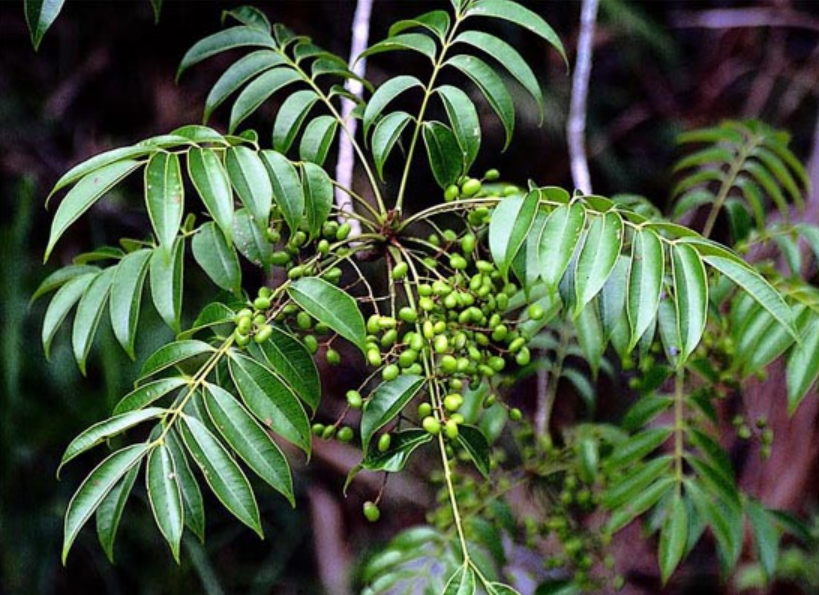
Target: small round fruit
[(400, 271), (515, 414), (317, 429), (451, 429), (468, 243), (536, 312), (244, 325), (448, 364), (384, 442), (390, 372), (328, 432), (491, 175), (345, 434), (280, 258), (451, 193), (343, 231), (354, 399), (374, 357), (323, 247), (431, 425), (471, 187), (261, 303), (424, 409), (408, 314), (303, 320), (371, 511), (241, 340), (523, 356), (407, 358), (441, 344), (311, 343), (263, 334), (333, 357), (453, 402)]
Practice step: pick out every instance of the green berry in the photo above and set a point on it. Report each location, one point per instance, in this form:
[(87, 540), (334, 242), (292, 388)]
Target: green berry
[(457, 262), (317, 429), (390, 372), (471, 187), (384, 442), (240, 339), (515, 414), (491, 175), (431, 425), (303, 320), (448, 364), (407, 358), (311, 343), (451, 429), (374, 357), (333, 357), (536, 312), (261, 303), (400, 271), (354, 399), (280, 258), (441, 344), (424, 410), (371, 512), (453, 402), (263, 334), (345, 434), (343, 231), (389, 338), (408, 314), (523, 356), (328, 432), (468, 243), (451, 193), (323, 247)]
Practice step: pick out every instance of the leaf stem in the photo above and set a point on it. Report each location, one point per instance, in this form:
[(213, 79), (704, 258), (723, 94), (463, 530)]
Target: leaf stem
[(727, 184)]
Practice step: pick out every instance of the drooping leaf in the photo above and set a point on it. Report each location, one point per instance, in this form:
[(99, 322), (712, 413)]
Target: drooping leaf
[(213, 185), (164, 197), (217, 257), (590, 336), (96, 487), (165, 496), (318, 196), (317, 139), (416, 42), (91, 187), (227, 39), (109, 512), (435, 21), (171, 354), (250, 180), (510, 224), (386, 402), (250, 441), (385, 136), (250, 16), (126, 297), (395, 458), (238, 74), (803, 366), (384, 95), (474, 443), (165, 272), (40, 14), (286, 186), (766, 537), (597, 257), (148, 393), (611, 301), (289, 358), (89, 314), (558, 241), (59, 306), (290, 117), (443, 152), (463, 117), (645, 283), (258, 91), (690, 297), (222, 474), (332, 306), (60, 277), (271, 400), (673, 537), (188, 487)]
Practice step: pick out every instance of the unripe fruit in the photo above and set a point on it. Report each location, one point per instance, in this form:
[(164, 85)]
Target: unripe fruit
[(424, 409), (457, 418), (345, 434), (497, 363), (386, 322), (261, 303), (471, 187), (354, 399), (333, 275), (311, 343), (371, 512), (441, 344), (448, 364), (384, 442), (244, 325), (296, 272), (426, 304), (333, 357), (389, 338), (523, 356), (374, 357), (328, 432), (453, 402), (451, 429), (491, 175), (431, 425), (451, 193), (317, 429), (416, 343), (515, 414), (263, 334), (536, 312), (407, 314), (298, 238), (372, 324), (303, 320), (273, 235), (468, 243), (390, 372), (407, 358), (323, 247), (280, 258), (510, 190), (428, 329), (343, 231), (457, 262), (241, 339), (400, 271)]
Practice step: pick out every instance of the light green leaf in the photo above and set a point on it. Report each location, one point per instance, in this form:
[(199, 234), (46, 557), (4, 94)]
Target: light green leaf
[(318, 196), (61, 304), (515, 13), (558, 241), (388, 91), (96, 487), (83, 196), (803, 364), (690, 297), (673, 537), (60, 277), (165, 496), (223, 475), (271, 400), (332, 306), (89, 313), (126, 297), (214, 314), (385, 136), (172, 354), (395, 458), (109, 512), (500, 589), (217, 258), (148, 393), (164, 197), (237, 75), (250, 16), (290, 117), (416, 42), (258, 91), (597, 257), (510, 224), (464, 120), (645, 283), (492, 87), (250, 180), (286, 186), (443, 152), (762, 339), (188, 487), (165, 273), (388, 400), (40, 14), (474, 443), (461, 583), (436, 21), (766, 537), (771, 187), (235, 37), (317, 139), (97, 162), (213, 185), (250, 239), (250, 441), (289, 358)]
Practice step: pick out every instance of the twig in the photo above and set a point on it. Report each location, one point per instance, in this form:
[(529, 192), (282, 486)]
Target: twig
[(576, 126), (346, 159), (738, 18)]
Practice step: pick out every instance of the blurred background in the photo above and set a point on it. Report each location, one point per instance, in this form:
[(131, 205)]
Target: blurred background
[(104, 77)]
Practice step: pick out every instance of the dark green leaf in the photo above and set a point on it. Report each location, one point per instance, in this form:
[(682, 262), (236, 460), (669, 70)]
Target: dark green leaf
[(217, 257), (385, 136), (250, 16), (213, 185), (317, 139), (258, 91), (436, 21), (673, 537), (250, 239), (590, 336), (89, 313), (766, 537), (637, 447), (461, 583), (597, 257), (60, 277), (645, 283), (644, 410), (165, 272), (394, 459), (172, 354), (464, 120), (558, 241), (237, 75), (640, 503), (109, 512), (164, 197), (416, 42), (40, 14), (690, 297), (318, 196), (126, 297), (251, 182), (234, 37), (61, 304), (165, 496), (445, 157), (511, 222), (290, 117), (627, 487), (191, 494), (332, 306), (476, 446), (803, 364), (289, 358), (388, 400), (148, 393), (287, 189), (388, 91)]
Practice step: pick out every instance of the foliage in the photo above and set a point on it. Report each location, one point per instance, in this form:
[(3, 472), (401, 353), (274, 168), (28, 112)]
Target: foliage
[(492, 284)]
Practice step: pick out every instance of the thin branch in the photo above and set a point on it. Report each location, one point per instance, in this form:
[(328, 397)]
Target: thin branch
[(738, 18), (576, 126), (346, 159)]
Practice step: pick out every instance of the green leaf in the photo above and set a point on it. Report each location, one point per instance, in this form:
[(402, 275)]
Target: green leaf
[(60, 277), (214, 314), (289, 358), (509, 58), (511, 222), (188, 487), (637, 447), (250, 441), (771, 187), (318, 196), (385, 136), (590, 336), (61, 304), (166, 273), (611, 301), (558, 241), (436, 21), (171, 354), (213, 185), (83, 196), (40, 14), (103, 430), (258, 91), (164, 197), (235, 37), (673, 537), (388, 91), (98, 162), (290, 117), (217, 258), (395, 458), (717, 481), (766, 537), (626, 487), (148, 393), (223, 475), (317, 139), (250, 16), (461, 583), (271, 400), (332, 306), (500, 589), (726, 525), (251, 241), (803, 366), (165, 496), (782, 174), (762, 339), (95, 488), (515, 13), (126, 297), (416, 42), (287, 189), (644, 410), (597, 257), (645, 283), (443, 152), (89, 313), (239, 73), (250, 180), (492, 87), (690, 297), (109, 512), (388, 400), (464, 120), (474, 442), (642, 502)]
